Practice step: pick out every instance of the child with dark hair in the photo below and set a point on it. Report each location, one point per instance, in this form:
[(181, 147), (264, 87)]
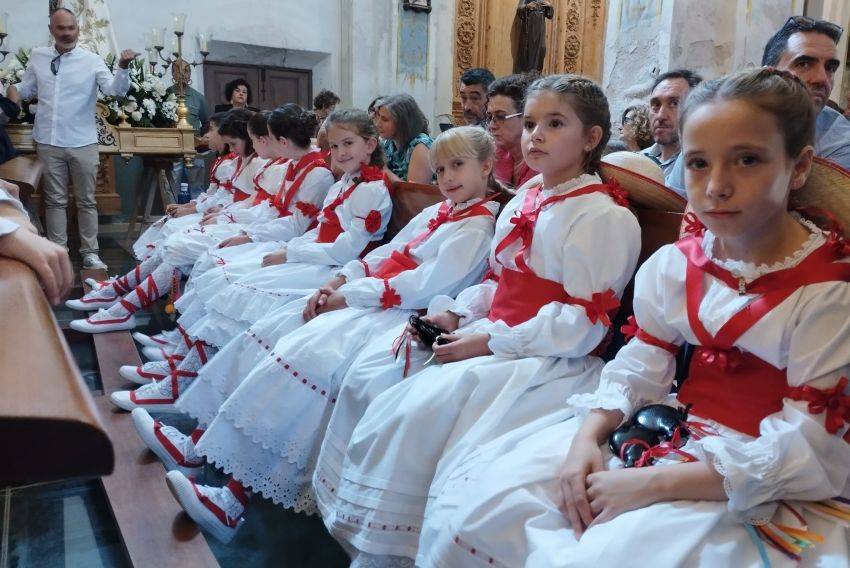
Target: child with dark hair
[(745, 475)]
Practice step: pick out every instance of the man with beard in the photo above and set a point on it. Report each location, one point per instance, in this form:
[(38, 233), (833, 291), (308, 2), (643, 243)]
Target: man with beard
[(668, 95), (65, 78), (806, 48), (473, 94)]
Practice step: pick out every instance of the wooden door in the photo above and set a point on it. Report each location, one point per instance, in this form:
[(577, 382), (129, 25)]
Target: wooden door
[(217, 75), (281, 86), (270, 86)]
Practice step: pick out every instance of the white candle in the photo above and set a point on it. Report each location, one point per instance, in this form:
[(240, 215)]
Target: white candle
[(158, 35), (204, 42), (174, 47), (4, 22), (179, 23)]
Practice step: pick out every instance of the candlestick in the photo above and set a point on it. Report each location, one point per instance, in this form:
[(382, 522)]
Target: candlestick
[(158, 36), (4, 22), (179, 23)]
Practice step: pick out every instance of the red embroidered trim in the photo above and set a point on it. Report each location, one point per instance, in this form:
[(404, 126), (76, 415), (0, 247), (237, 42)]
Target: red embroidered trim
[(372, 221), (390, 297), (833, 401), (279, 360), (631, 329), (307, 209)]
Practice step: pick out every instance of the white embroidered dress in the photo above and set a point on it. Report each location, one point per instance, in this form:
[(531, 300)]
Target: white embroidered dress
[(501, 506), (217, 268), (374, 501), (268, 432), (309, 263)]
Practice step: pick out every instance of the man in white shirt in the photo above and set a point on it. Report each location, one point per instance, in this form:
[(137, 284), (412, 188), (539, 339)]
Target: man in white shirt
[(65, 78), (20, 241)]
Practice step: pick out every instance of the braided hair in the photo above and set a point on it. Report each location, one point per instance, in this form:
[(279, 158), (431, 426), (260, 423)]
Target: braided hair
[(590, 105), (776, 92)]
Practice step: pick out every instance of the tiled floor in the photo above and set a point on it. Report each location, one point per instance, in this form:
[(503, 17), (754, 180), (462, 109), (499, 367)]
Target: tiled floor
[(69, 524)]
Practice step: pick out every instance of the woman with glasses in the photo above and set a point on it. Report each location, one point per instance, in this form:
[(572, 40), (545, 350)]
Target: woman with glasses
[(504, 119), (634, 128)]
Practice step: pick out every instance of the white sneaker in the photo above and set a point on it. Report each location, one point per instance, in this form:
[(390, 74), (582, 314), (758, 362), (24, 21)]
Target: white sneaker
[(95, 284), (92, 261), (215, 509), (144, 374), (103, 321), (175, 449), (157, 340), (157, 396), (159, 353), (100, 297)]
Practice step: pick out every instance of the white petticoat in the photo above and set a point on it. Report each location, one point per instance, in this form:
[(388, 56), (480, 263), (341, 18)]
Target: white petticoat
[(439, 416), (268, 432), (513, 485)]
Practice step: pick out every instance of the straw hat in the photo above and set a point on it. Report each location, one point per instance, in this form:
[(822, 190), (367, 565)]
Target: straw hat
[(827, 188), (643, 179)]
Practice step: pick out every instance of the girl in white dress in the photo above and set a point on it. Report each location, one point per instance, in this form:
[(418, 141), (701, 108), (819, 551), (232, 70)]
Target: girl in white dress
[(219, 193), (267, 434), (151, 279), (353, 220), (303, 189), (516, 348), (763, 294)]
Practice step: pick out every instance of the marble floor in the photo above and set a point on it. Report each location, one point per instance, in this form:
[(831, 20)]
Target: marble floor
[(69, 524)]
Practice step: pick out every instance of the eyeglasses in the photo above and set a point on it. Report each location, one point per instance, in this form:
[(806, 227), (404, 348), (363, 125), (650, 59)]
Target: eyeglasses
[(807, 24), (54, 64), (499, 118)]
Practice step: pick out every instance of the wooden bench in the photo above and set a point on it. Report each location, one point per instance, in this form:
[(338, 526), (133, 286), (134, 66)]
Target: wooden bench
[(153, 526), (50, 427), (25, 171)]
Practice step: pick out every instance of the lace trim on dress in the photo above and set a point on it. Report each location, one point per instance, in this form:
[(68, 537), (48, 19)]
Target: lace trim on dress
[(609, 396), (750, 271), (576, 182)]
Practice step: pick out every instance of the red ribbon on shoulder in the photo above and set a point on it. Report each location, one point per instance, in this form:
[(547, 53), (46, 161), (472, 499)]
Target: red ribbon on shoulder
[(371, 173)]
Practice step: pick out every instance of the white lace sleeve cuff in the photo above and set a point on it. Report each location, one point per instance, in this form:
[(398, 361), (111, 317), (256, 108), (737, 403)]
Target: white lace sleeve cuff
[(749, 479), (609, 396)]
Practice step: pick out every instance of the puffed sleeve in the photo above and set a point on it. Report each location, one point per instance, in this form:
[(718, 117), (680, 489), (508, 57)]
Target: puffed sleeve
[(642, 373), (795, 456), (305, 207), (566, 330), (111, 86), (460, 259), (369, 197)]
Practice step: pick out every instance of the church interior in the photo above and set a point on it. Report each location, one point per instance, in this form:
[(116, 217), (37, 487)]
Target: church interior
[(82, 486)]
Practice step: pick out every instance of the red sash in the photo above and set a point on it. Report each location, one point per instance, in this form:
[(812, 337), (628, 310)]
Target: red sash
[(330, 228), (399, 262), (520, 293), (724, 383)]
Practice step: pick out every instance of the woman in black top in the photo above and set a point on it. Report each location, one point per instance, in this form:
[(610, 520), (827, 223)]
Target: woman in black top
[(238, 92)]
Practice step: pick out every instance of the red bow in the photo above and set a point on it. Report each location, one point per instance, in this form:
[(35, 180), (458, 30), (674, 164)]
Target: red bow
[(372, 221), (631, 329), (838, 243), (371, 173), (307, 209), (691, 224), (833, 401), (600, 305), (726, 359), (390, 298), (617, 193), (434, 223)]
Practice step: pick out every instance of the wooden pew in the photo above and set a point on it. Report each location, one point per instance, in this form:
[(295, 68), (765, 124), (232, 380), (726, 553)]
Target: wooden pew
[(408, 200), (154, 529), (25, 171), (51, 430)]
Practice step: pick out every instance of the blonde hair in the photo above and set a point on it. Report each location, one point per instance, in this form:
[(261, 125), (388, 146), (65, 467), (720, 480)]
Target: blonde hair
[(471, 142)]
